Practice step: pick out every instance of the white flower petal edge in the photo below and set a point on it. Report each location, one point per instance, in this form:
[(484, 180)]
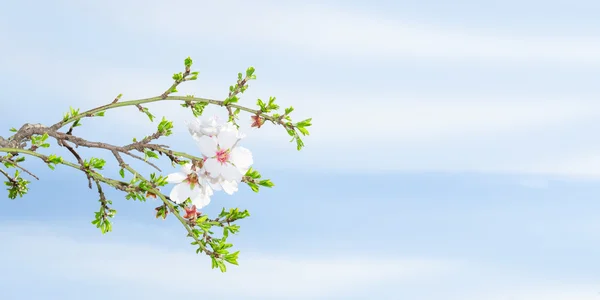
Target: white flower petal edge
[(176, 177), (241, 158), (208, 127), (208, 145), (228, 137), (199, 191)]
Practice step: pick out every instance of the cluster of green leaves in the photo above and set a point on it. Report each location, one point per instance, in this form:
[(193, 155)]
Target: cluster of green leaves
[(53, 160), (17, 186), (180, 77), (40, 141), (203, 232), (269, 106), (103, 216), (252, 178), (94, 163), (197, 107), (183, 76), (301, 126), (239, 88), (285, 120), (8, 162), (75, 112), (139, 188), (165, 127)]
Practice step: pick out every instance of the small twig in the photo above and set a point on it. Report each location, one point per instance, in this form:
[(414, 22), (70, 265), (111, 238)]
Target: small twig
[(7, 175), (18, 166), (79, 160)]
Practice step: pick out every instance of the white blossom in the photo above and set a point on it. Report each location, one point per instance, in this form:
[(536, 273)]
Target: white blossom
[(190, 184), (224, 158)]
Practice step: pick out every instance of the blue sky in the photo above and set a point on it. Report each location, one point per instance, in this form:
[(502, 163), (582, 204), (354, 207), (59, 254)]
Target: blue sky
[(453, 153)]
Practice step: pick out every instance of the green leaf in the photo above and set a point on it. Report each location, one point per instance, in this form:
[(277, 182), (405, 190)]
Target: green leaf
[(253, 186), (304, 123), (291, 132), (188, 62), (201, 220), (232, 258), (151, 154), (165, 127), (222, 266), (252, 173), (303, 130), (13, 129), (232, 99), (299, 143), (266, 183), (250, 72), (177, 76), (272, 104)]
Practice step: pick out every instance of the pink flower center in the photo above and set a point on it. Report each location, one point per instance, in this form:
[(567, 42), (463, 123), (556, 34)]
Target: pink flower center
[(192, 178), (223, 156)]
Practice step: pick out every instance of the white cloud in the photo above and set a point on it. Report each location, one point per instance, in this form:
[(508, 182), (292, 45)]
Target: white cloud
[(87, 259), (72, 257), (335, 31)]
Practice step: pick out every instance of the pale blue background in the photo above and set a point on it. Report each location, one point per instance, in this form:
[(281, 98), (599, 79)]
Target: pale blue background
[(454, 152)]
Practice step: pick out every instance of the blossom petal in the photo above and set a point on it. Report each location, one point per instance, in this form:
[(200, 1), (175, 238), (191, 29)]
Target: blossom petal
[(210, 126), (241, 158), (196, 137), (229, 186), (228, 137), (216, 186), (176, 177), (215, 183), (230, 172), (213, 167), (193, 127), (201, 201), (187, 168), (182, 191), (204, 198), (207, 145)]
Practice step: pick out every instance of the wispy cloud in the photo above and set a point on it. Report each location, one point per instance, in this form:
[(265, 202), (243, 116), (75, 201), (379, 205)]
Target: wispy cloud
[(78, 261), (336, 31), (70, 256)]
